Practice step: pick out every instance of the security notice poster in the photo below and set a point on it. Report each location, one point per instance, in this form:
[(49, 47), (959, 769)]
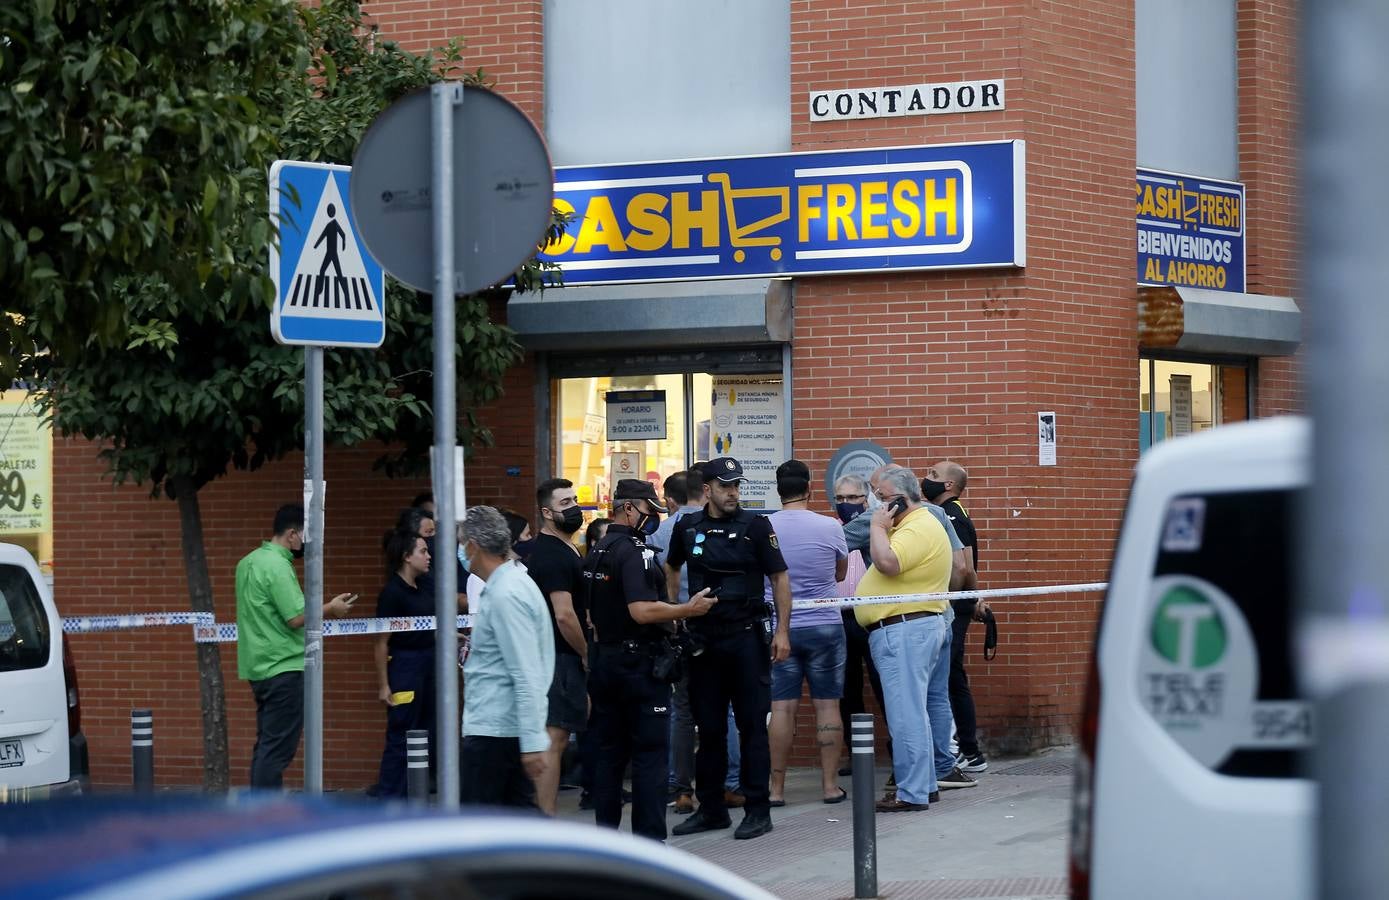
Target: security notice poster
[(750, 426), (26, 452), (1180, 388)]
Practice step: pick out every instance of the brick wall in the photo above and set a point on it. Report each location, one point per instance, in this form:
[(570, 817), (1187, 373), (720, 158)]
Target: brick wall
[(958, 365), (1266, 31)]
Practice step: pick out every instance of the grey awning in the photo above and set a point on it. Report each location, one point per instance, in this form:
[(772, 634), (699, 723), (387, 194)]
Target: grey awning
[(654, 316), (1197, 320)]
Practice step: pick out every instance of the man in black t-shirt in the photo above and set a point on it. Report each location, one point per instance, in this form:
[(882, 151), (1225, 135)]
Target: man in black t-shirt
[(631, 700), (729, 551), (943, 485), (556, 568)]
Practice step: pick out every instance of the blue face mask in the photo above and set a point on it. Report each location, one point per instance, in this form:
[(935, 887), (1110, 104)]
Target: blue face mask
[(463, 559), (849, 511), (650, 524)]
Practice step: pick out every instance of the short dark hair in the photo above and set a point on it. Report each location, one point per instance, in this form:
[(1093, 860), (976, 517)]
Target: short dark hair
[(411, 518), (515, 523), (675, 488), (792, 479), (422, 499), (591, 534), (287, 517), (546, 491), (694, 482)]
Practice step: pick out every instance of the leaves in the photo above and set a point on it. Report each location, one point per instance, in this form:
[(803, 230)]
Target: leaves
[(137, 230)]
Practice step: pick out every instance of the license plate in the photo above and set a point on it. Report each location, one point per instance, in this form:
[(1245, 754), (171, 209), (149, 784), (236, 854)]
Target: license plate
[(11, 754)]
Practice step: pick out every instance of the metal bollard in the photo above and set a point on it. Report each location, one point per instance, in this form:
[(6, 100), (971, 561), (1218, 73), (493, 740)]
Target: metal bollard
[(865, 826), (417, 765), (142, 750)]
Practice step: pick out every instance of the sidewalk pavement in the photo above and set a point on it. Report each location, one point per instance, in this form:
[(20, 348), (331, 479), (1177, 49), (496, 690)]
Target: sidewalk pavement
[(1006, 838)]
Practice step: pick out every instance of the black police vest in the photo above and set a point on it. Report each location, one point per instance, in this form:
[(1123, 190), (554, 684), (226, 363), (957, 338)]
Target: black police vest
[(721, 556), (607, 601)]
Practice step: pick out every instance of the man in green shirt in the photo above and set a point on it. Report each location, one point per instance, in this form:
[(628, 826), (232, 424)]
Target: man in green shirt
[(270, 643)]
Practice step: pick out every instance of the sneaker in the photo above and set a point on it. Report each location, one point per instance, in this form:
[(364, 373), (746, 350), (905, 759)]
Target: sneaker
[(753, 825), (699, 822), (956, 779), (684, 804), (976, 763), (733, 800)]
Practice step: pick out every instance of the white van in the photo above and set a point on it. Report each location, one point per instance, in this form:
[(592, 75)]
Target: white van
[(42, 749), (1188, 782)]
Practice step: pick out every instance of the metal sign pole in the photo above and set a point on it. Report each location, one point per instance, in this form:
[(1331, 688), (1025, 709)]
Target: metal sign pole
[(313, 570), (443, 98), (1343, 632)]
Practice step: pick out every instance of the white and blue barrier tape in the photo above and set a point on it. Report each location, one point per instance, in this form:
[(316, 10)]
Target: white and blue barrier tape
[(207, 630)]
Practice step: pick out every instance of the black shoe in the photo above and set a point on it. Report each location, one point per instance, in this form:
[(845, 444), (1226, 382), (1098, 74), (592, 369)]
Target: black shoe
[(845, 771), (753, 825), (586, 800), (933, 797), (697, 823)]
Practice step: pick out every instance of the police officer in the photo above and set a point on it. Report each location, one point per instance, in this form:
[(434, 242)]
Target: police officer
[(630, 659), (729, 551)]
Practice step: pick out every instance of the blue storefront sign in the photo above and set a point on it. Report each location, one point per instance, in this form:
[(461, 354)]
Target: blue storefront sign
[(1190, 231), (940, 207)]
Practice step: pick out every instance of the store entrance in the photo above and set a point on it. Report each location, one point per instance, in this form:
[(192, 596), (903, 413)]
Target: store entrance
[(652, 425)]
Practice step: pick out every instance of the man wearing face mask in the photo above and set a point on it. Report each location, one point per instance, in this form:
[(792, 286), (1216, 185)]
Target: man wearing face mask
[(630, 679), (270, 643), (556, 568), (730, 550), (943, 485)]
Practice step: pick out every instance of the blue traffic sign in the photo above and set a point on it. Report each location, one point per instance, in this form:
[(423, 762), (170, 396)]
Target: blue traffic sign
[(329, 292)]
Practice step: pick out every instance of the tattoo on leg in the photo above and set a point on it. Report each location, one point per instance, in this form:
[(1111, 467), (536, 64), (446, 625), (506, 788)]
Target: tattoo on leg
[(778, 771), (829, 728)]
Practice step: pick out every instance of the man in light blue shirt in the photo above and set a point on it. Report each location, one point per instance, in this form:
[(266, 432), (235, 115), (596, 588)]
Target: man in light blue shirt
[(507, 674)]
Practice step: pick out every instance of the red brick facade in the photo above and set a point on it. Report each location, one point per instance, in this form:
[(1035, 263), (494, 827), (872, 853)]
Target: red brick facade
[(943, 365)]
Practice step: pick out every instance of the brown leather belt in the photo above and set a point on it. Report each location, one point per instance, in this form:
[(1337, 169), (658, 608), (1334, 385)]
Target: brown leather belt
[(903, 617)]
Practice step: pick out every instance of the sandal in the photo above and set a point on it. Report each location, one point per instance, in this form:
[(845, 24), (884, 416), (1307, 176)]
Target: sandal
[(776, 803), (840, 799)]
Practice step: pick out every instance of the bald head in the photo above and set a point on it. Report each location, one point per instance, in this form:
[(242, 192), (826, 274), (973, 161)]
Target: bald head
[(877, 474)]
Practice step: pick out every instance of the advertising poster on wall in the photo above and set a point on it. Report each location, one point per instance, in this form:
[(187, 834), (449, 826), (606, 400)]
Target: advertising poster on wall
[(1180, 388), (749, 424), (25, 470)]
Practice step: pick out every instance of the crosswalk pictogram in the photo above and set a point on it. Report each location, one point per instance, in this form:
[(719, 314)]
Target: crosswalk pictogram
[(329, 290)]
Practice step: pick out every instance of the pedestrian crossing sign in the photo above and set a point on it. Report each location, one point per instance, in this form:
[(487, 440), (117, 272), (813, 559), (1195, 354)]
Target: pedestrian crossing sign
[(329, 292)]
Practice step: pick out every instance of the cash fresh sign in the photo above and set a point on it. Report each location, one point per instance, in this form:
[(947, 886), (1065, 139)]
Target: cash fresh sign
[(941, 207), (1190, 231)]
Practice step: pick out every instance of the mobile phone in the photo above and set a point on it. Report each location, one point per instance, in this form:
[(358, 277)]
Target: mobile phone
[(897, 505)]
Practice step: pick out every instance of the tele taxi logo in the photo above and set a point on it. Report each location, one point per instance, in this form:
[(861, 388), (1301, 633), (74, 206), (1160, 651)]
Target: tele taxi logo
[(1187, 629)]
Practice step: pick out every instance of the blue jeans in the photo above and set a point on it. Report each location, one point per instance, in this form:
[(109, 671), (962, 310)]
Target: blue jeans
[(818, 653), (938, 705), (735, 755), (906, 655)]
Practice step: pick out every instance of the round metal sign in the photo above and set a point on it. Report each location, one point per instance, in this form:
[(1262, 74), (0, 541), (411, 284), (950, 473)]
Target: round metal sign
[(854, 458), (502, 180)]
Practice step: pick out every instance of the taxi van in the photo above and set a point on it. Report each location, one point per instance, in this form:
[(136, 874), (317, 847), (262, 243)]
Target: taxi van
[(1189, 779)]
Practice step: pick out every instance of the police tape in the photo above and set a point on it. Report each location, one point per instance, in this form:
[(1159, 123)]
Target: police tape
[(207, 630)]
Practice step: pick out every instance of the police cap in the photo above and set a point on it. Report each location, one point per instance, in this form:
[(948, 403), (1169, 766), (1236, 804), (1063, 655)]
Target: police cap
[(725, 469), (636, 489)]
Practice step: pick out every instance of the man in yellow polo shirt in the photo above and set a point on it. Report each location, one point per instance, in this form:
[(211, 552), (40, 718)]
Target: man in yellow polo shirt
[(910, 641)]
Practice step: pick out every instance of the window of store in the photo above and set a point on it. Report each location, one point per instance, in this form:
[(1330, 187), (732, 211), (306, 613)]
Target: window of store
[(26, 477), (1178, 398), (717, 411)]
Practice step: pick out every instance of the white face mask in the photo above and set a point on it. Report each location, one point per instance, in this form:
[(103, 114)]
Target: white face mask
[(873, 501)]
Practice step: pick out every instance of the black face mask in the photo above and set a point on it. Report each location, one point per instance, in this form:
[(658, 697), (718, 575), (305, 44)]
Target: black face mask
[(932, 489), (849, 511), (571, 520), (298, 554)]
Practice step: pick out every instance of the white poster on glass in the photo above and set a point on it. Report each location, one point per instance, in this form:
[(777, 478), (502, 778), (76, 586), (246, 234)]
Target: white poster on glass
[(749, 424), (1179, 387)]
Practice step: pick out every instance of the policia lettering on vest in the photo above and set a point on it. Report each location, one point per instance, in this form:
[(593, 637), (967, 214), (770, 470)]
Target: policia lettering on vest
[(630, 661), (729, 551)]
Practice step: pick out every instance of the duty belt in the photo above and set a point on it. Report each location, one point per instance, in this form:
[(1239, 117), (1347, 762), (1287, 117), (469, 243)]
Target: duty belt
[(725, 630)]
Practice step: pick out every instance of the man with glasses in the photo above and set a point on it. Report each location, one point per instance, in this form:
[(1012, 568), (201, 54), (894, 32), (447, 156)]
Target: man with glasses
[(910, 641)]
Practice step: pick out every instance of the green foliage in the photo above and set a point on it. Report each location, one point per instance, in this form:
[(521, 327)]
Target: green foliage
[(186, 381), (125, 128)]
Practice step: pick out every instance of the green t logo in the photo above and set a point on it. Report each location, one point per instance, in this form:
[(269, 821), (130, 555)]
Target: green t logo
[(1187, 630)]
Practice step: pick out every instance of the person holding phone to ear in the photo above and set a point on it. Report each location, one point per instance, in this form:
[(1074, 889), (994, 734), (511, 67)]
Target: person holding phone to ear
[(909, 641), (270, 643)]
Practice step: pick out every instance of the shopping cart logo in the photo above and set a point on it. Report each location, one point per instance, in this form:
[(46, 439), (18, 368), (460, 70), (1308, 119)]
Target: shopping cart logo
[(906, 208)]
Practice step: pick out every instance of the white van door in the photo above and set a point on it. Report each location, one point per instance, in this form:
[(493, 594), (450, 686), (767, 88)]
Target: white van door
[(33, 701)]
